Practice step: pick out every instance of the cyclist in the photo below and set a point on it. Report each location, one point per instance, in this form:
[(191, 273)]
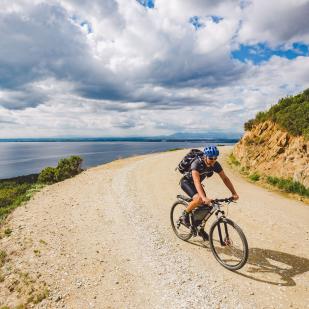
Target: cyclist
[(191, 183)]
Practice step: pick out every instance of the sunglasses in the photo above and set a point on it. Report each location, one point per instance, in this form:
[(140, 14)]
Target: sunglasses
[(212, 158)]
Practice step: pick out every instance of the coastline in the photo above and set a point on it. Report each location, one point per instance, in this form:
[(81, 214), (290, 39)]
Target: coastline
[(34, 175), (70, 236), (18, 159)]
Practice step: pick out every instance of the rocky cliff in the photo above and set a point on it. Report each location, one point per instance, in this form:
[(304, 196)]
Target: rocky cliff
[(270, 150)]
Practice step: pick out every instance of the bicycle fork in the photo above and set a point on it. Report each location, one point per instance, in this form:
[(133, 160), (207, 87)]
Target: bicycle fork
[(224, 241)]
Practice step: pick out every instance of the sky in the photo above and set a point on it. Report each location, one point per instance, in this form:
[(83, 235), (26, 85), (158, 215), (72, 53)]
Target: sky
[(105, 68)]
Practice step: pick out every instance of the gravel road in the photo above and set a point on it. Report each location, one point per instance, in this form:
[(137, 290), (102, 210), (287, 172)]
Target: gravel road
[(103, 240)]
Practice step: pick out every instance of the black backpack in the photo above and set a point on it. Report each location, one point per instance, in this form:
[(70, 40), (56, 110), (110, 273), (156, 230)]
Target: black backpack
[(185, 164)]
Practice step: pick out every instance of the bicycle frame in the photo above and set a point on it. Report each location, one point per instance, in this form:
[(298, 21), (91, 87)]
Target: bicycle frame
[(220, 214)]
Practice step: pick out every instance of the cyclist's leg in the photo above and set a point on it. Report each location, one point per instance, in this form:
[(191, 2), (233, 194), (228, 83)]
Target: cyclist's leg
[(196, 201), (189, 188)]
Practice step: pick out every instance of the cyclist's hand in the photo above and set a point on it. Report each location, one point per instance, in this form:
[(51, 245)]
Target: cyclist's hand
[(207, 201), (235, 197)]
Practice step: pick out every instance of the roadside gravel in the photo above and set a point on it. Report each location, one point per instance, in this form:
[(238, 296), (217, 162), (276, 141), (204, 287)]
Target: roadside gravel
[(103, 240)]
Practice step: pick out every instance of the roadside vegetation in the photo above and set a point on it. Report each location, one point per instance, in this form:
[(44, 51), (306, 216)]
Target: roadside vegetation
[(66, 168), (290, 113), (232, 160), (283, 184), (29, 288), (288, 185), (15, 191), (174, 149)]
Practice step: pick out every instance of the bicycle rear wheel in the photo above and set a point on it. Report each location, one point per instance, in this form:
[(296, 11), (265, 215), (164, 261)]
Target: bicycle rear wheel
[(180, 230), (228, 244)]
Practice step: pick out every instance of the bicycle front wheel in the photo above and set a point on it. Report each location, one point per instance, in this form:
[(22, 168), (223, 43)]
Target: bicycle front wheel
[(180, 230), (228, 244)]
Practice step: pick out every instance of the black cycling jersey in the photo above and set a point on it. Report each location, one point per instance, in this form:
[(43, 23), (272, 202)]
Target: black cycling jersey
[(204, 170)]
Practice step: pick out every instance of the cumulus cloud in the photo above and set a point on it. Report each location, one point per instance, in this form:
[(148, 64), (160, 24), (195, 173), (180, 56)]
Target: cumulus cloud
[(121, 68), (275, 22)]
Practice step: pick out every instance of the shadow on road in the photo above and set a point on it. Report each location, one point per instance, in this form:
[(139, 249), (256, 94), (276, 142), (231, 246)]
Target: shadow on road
[(268, 262), (269, 266)]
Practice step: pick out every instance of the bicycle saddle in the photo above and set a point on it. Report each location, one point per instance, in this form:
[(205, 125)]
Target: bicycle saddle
[(184, 198)]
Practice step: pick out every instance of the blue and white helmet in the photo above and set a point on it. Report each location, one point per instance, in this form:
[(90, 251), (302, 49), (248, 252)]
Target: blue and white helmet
[(211, 151)]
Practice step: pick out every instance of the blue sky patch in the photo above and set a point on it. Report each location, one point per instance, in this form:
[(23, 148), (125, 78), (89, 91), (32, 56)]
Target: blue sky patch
[(261, 52), (216, 19), (196, 22), (83, 23), (147, 3), (87, 26)]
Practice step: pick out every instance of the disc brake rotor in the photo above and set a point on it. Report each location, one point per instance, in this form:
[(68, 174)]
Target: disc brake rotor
[(228, 242)]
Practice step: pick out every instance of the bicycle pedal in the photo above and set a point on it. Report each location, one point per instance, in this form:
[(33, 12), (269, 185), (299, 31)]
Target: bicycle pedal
[(193, 231)]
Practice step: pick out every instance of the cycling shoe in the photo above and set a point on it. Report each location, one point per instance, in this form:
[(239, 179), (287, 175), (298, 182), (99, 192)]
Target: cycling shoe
[(203, 234), (184, 219)]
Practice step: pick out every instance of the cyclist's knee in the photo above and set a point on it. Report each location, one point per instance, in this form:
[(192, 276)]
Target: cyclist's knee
[(197, 199)]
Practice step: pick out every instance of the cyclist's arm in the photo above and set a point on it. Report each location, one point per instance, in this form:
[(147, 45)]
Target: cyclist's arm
[(229, 184)]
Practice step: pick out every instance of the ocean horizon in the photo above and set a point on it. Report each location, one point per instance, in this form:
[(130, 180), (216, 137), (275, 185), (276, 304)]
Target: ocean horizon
[(119, 139), (18, 158)]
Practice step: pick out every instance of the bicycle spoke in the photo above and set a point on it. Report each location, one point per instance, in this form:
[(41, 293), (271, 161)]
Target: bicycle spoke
[(182, 231)]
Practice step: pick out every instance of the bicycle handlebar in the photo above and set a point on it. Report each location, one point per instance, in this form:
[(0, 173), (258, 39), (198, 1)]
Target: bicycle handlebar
[(223, 200)]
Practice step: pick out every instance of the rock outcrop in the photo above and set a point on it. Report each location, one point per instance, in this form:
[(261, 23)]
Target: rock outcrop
[(270, 150)]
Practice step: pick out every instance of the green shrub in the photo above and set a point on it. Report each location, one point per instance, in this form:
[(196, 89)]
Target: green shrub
[(291, 113), (66, 168), (288, 185), (40, 296), (3, 256), (8, 232), (48, 175), (261, 117), (174, 149), (306, 95), (254, 176), (8, 204), (272, 180), (306, 133), (233, 160), (244, 171), (9, 194), (69, 167), (15, 191), (249, 125)]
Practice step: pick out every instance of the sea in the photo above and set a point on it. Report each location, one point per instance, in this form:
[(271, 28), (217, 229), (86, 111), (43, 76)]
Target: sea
[(18, 158)]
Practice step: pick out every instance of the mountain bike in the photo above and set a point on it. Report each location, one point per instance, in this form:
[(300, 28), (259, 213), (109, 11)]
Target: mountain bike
[(227, 241)]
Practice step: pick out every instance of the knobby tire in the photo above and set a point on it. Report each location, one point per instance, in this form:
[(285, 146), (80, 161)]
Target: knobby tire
[(176, 231), (231, 225)]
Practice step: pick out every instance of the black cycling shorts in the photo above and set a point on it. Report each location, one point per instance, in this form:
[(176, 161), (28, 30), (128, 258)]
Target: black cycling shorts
[(188, 187)]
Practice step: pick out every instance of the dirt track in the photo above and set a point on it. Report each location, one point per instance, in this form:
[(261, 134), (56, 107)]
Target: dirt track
[(103, 240)]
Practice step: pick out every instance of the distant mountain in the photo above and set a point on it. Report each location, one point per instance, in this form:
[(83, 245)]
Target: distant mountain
[(213, 135)]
